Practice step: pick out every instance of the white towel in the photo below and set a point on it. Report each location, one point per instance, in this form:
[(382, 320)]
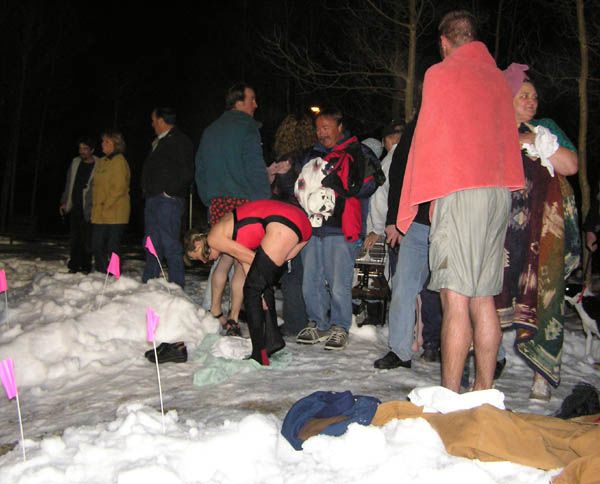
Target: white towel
[(546, 144), (442, 400)]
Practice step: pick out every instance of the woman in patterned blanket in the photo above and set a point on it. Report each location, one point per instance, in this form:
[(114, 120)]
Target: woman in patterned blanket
[(542, 242)]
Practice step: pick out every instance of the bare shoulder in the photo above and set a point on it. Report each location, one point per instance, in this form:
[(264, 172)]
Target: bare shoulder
[(223, 229)]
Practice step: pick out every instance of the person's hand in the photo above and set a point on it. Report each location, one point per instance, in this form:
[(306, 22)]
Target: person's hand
[(62, 209), (272, 168), (279, 167), (591, 241), (283, 167), (370, 241), (392, 235), (527, 138)]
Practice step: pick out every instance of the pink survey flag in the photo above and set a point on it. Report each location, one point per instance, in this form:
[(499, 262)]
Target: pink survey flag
[(7, 375), (150, 246), (151, 324), (3, 284), (113, 266)]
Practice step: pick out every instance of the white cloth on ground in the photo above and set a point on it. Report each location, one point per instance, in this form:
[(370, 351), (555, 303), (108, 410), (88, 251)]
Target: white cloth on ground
[(438, 399)]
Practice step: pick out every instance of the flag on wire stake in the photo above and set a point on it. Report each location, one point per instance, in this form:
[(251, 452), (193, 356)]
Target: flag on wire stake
[(4, 289), (3, 284), (151, 324), (113, 266), (150, 246), (114, 269), (7, 375)]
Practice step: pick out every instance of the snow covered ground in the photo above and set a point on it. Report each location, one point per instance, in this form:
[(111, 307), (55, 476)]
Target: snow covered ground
[(91, 411)]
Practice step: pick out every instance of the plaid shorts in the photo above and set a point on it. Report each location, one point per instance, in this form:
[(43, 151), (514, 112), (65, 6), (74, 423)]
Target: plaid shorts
[(221, 206)]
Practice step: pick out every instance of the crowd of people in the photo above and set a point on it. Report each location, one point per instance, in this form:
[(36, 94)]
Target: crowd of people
[(470, 197)]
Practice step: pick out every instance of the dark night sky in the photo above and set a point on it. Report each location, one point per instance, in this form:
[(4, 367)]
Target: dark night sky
[(121, 59), (126, 58)]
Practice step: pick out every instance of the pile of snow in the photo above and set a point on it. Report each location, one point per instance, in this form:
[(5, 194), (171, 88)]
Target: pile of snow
[(91, 411), (68, 323), (132, 449)]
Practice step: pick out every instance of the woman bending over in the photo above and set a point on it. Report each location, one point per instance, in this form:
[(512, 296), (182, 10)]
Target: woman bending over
[(262, 235)]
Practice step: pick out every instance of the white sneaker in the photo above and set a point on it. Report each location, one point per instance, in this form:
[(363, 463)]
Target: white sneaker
[(338, 339), (540, 390), (311, 335)]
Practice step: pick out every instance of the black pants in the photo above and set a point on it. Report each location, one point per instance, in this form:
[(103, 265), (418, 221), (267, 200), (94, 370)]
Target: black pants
[(106, 239), (264, 331), (81, 243)]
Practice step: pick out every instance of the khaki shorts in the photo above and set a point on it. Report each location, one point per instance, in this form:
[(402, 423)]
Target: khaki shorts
[(466, 240)]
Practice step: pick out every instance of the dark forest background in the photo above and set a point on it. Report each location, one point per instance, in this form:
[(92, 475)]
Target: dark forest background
[(74, 68)]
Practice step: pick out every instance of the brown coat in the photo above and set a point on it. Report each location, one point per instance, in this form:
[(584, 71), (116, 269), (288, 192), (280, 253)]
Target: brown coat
[(110, 201), (489, 434)]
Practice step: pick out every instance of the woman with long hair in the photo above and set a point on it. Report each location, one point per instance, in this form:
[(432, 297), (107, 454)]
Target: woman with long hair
[(262, 236)]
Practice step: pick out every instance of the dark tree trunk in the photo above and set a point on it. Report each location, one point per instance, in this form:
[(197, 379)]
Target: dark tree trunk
[(583, 122)]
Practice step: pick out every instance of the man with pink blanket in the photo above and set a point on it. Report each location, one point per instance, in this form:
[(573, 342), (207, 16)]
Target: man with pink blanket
[(465, 157)]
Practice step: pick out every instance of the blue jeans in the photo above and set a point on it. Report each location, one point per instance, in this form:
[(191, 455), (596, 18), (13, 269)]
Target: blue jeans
[(327, 281), (162, 220), (410, 276)]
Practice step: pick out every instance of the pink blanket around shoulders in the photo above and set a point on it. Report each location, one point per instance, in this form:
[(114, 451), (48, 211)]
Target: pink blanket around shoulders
[(466, 135)]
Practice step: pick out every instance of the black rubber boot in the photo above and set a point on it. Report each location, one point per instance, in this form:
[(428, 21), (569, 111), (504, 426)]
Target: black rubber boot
[(273, 339), (266, 338)]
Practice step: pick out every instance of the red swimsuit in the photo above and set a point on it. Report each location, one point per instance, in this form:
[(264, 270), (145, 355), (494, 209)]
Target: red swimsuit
[(251, 219)]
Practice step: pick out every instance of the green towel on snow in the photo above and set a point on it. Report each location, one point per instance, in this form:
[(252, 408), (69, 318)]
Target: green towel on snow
[(217, 370)]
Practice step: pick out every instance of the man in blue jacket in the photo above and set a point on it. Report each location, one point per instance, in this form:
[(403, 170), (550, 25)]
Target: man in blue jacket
[(352, 172), (230, 171)]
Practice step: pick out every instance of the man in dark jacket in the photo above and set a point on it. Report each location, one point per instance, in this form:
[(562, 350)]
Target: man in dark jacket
[(166, 178), (353, 173), (229, 161), (230, 171)]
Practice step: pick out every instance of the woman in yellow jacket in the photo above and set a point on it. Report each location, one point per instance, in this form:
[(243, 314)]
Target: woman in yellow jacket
[(110, 200)]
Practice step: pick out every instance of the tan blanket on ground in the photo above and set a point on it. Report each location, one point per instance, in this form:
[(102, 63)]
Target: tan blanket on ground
[(489, 434)]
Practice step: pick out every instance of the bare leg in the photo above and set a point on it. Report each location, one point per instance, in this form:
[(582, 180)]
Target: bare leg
[(486, 339), (218, 281), (237, 291), (457, 335)]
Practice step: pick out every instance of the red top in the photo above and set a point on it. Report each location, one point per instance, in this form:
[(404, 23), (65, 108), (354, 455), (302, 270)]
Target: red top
[(251, 219)]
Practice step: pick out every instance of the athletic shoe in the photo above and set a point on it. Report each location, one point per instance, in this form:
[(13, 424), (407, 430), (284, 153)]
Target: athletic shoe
[(391, 360), (338, 339), (540, 390), (311, 335)]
